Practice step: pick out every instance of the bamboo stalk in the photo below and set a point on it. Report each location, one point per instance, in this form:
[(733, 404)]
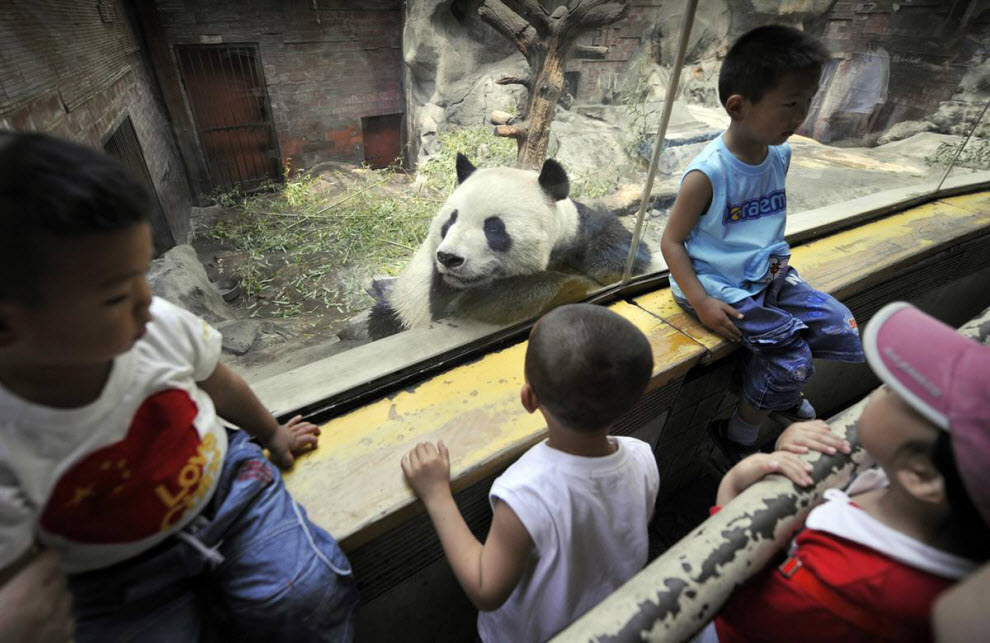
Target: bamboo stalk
[(668, 106)]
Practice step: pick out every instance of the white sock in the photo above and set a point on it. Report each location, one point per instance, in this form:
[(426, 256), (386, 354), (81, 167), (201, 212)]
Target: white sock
[(741, 431)]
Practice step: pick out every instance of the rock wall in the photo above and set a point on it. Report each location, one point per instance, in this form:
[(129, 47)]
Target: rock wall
[(452, 60), (899, 68)]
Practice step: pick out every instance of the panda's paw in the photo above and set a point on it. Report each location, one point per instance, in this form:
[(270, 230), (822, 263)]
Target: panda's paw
[(356, 328), (380, 288)]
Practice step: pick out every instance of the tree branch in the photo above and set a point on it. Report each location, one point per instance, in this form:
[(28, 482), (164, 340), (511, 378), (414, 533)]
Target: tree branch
[(509, 24), (533, 12), (583, 15), (589, 52), (518, 132), (513, 80), (604, 15), (501, 118)]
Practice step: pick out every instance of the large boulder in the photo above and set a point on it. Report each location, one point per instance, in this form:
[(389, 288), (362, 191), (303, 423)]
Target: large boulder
[(586, 145), (179, 277), (239, 335), (478, 95)]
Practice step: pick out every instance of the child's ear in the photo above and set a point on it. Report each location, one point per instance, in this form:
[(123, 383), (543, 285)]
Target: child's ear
[(735, 106), (918, 476), (528, 398)]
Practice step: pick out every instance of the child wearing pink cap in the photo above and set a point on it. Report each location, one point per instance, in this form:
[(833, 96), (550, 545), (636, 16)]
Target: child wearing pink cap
[(871, 560)]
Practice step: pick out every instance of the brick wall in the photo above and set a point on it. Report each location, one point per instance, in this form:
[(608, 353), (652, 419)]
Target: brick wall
[(324, 68), (75, 70)]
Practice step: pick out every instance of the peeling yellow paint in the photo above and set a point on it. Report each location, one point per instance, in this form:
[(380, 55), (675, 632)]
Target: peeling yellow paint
[(354, 477)]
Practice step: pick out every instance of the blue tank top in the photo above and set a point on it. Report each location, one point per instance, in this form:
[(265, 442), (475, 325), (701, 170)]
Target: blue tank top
[(737, 247)]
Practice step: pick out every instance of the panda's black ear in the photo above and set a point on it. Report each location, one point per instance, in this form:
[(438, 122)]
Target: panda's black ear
[(464, 168), (553, 180)]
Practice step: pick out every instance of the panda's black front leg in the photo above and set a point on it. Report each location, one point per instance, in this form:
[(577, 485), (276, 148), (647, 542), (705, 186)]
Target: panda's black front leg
[(514, 299)]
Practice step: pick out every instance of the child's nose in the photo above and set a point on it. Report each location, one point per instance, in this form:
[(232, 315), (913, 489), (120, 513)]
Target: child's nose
[(143, 301)]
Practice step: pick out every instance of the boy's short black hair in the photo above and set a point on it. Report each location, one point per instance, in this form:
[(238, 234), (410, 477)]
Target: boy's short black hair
[(54, 189), (758, 59), (587, 365)]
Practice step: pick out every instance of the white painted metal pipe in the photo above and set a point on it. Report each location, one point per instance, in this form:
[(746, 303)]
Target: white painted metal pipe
[(668, 106)]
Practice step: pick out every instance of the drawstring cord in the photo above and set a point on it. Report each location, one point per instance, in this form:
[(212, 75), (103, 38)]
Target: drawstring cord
[(209, 554)]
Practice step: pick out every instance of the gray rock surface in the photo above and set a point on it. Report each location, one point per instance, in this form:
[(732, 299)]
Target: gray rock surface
[(444, 45), (239, 335), (959, 114), (179, 277), (453, 60), (905, 129)]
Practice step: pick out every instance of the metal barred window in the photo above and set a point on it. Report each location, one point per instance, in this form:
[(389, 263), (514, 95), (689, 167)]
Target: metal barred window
[(227, 93)]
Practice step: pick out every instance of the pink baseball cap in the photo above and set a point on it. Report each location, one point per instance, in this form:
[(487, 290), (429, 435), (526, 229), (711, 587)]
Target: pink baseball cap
[(944, 376)]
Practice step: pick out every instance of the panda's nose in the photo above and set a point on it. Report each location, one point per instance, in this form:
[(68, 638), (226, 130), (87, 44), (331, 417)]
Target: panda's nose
[(449, 260)]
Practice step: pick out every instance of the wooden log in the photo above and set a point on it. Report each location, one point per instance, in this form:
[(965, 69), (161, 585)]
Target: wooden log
[(517, 132), (501, 118)]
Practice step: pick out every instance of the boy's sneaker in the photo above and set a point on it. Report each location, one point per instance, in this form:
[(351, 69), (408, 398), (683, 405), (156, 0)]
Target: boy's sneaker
[(730, 450), (800, 412)]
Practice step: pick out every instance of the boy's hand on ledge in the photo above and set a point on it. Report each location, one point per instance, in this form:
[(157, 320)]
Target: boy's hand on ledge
[(814, 435), (291, 439), (758, 466), (427, 470), (717, 316)]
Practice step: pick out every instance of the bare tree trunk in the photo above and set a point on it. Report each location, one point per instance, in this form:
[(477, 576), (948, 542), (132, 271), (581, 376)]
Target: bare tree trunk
[(545, 91), (545, 40)]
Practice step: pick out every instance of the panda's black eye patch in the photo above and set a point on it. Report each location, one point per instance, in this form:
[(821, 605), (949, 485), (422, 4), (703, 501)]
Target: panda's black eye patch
[(451, 221), (498, 239)]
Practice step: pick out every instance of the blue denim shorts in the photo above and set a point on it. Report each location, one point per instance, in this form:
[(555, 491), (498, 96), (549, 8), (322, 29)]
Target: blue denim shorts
[(785, 327), (251, 567)]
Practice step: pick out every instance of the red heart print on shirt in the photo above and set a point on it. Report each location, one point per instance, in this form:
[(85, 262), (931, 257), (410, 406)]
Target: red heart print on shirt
[(141, 485)]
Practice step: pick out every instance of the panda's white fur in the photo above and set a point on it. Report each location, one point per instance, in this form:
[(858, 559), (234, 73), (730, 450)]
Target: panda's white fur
[(532, 227), (537, 225)]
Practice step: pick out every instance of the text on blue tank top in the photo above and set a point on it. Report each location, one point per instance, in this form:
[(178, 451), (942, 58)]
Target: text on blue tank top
[(741, 235)]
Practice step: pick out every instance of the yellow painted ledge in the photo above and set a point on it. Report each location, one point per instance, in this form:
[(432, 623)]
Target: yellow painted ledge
[(353, 486)]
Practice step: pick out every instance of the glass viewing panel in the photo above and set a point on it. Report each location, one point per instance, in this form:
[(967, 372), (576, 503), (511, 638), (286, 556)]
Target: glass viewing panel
[(965, 159), (340, 257)]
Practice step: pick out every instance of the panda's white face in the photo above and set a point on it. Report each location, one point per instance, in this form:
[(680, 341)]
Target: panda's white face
[(498, 223)]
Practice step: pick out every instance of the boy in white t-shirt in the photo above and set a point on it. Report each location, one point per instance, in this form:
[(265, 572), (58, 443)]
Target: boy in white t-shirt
[(570, 516), (112, 452)]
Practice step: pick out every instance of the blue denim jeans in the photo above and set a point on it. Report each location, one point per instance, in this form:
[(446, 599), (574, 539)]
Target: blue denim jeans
[(785, 326), (278, 577)]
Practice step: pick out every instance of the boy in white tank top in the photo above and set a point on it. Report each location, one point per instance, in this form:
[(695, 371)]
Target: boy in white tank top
[(570, 516)]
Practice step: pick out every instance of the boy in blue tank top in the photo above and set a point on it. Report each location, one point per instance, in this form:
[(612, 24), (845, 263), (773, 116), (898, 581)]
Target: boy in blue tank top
[(724, 243)]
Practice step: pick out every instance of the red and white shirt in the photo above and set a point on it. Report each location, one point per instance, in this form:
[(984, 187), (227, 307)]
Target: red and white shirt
[(109, 480), (864, 561)]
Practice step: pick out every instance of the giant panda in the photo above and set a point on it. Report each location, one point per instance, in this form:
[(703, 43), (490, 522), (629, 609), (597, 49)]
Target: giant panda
[(506, 245)]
